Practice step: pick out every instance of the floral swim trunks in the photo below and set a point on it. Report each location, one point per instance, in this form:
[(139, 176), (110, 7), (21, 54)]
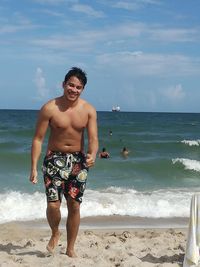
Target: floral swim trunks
[(64, 174)]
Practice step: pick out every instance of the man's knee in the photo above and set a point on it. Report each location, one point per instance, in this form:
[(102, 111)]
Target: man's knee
[(73, 205), (53, 205)]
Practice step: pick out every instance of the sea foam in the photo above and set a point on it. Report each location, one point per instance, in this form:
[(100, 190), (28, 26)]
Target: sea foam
[(191, 142), (189, 164), (111, 201)]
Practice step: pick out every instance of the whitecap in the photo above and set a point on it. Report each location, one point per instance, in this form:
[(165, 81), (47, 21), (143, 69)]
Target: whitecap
[(189, 164)]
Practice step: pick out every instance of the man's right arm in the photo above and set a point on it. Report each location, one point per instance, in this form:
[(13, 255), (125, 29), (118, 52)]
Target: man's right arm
[(41, 128)]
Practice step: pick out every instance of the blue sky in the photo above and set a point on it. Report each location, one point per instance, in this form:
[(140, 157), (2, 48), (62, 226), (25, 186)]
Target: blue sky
[(142, 55)]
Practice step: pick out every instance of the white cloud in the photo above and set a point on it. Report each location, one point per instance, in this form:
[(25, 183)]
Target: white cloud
[(15, 23), (174, 93), (174, 35), (40, 82), (129, 33), (62, 42), (11, 28), (134, 5), (126, 5), (53, 2), (52, 13), (142, 64), (90, 38), (88, 10)]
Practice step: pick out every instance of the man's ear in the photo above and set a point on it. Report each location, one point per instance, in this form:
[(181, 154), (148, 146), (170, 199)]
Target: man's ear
[(63, 84)]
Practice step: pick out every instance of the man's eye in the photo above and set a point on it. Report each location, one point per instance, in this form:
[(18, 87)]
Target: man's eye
[(74, 86)]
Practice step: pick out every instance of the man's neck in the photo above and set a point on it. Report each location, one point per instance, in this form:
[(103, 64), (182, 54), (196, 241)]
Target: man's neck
[(69, 104)]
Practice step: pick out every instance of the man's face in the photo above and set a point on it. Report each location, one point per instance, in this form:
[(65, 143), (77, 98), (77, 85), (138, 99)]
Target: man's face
[(73, 88)]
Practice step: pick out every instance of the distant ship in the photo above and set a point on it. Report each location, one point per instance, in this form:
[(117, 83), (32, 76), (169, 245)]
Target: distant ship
[(116, 108)]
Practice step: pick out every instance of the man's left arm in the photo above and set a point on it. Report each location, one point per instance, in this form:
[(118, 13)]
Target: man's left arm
[(93, 144)]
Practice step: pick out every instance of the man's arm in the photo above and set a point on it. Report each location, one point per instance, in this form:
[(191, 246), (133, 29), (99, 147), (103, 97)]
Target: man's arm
[(93, 144), (41, 128)]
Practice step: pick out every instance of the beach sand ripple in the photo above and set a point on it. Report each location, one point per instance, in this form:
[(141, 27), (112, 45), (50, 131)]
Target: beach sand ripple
[(26, 247)]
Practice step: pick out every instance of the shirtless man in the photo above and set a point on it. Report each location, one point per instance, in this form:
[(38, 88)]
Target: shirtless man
[(104, 154), (65, 165), (125, 152)]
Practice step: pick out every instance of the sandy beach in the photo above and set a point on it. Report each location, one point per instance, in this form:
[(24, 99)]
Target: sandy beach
[(99, 243)]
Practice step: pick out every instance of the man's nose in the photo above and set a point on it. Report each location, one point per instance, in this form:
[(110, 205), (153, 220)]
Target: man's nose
[(74, 89)]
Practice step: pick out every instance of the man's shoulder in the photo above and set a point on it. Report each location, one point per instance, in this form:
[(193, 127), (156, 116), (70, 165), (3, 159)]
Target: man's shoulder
[(87, 106), (48, 106), (52, 102)]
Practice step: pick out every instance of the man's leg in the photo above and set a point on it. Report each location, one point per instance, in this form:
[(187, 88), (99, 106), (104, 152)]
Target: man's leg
[(73, 222), (53, 217)]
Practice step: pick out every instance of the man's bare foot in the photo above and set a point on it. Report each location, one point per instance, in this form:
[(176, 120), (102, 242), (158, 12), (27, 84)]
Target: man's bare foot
[(53, 242), (71, 254)]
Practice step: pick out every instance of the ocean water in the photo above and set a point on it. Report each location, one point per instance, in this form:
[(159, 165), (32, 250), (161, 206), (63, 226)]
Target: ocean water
[(157, 179)]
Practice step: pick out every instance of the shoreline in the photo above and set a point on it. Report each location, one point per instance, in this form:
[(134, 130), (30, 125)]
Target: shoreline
[(129, 222), (113, 222)]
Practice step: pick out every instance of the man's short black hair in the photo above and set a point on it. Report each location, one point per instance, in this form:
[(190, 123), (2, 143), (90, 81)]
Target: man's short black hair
[(77, 72)]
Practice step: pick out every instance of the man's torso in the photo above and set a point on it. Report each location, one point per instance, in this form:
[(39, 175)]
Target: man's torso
[(67, 128)]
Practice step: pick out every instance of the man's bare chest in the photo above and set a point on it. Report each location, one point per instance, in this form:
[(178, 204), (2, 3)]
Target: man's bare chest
[(65, 121)]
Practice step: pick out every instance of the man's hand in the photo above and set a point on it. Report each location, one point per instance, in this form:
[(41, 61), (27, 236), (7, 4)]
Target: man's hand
[(33, 177), (90, 160)]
